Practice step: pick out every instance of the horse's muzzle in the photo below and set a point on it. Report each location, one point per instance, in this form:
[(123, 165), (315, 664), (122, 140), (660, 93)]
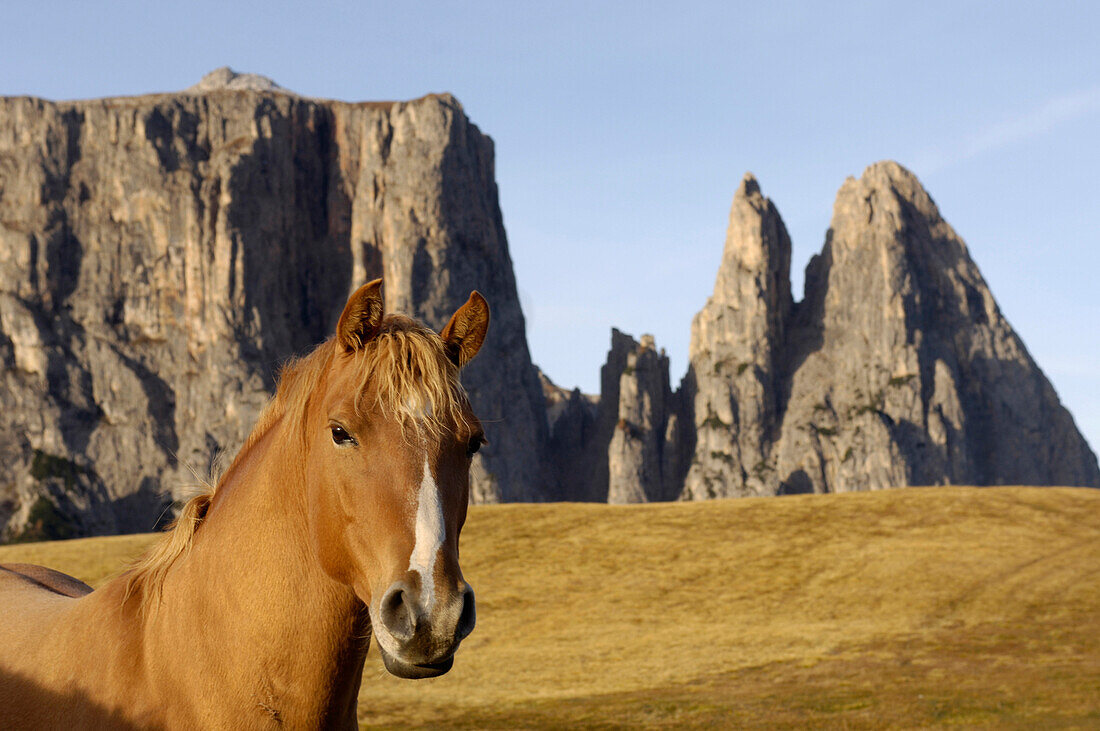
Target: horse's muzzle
[(418, 641)]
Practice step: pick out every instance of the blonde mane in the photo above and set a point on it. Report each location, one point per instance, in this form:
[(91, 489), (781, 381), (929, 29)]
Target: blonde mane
[(404, 373)]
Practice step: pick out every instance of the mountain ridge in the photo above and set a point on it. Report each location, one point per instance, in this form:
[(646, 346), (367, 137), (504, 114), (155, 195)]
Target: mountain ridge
[(161, 254), (896, 368)]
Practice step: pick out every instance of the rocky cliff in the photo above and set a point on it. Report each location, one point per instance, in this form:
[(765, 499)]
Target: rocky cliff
[(160, 256), (642, 457), (736, 344), (896, 369), (573, 450), (626, 445)]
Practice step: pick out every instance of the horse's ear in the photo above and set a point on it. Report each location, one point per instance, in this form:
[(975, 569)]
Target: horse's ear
[(465, 332), (362, 317)]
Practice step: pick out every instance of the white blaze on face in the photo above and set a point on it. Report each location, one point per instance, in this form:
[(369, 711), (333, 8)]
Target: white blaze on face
[(419, 407), (430, 532)]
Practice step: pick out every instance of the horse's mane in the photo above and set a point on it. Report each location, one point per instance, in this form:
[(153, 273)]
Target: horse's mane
[(404, 373)]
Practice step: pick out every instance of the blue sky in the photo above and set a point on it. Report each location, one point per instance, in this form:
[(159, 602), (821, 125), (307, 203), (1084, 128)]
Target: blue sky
[(622, 130)]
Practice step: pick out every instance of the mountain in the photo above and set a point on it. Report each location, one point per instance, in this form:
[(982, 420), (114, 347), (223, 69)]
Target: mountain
[(902, 369), (896, 369), (161, 255)]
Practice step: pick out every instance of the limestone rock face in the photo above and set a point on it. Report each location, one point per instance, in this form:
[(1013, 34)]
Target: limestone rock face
[(627, 445), (896, 369), (227, 78), (736, 341), (161, 256), (571, 452), (641, 466), (904, 370), (582, 428)]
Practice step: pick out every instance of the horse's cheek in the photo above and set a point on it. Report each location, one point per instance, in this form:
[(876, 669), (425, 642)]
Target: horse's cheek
[(326, 525)]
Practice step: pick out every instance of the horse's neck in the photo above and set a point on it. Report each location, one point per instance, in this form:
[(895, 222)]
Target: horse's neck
[(250, 604)]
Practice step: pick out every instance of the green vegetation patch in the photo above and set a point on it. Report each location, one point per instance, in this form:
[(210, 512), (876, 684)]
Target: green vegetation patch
[(713, 422), (723, 456), (45, 523), (45, 466)]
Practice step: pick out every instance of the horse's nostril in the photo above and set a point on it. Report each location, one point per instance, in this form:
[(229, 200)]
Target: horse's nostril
[(468, 618), (398, 614)]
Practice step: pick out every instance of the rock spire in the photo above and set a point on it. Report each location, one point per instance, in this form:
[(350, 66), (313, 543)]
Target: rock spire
[(904, 370), (897, 368), (736, 341)]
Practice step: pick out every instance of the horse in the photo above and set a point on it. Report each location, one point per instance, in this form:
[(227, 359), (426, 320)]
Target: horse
[(338, 519)]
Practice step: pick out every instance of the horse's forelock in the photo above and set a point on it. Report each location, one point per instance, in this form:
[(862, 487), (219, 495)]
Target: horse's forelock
[(405, 374)]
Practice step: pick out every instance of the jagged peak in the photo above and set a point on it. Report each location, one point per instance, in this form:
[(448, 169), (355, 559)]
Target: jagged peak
[(621, 341), (896, 179), (224, 78), (749, 187), (884, 187), (756, 240), (897, 368), (889, 170), (884, 175)]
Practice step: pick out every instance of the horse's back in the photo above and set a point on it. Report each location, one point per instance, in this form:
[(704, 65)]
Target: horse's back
[(38, 654), (32, 600), (45, 578)]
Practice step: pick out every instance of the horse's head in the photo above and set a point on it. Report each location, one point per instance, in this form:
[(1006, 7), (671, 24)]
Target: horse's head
[(390, 435)]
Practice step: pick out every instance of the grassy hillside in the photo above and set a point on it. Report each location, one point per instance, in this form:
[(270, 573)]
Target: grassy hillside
[(920, 607)]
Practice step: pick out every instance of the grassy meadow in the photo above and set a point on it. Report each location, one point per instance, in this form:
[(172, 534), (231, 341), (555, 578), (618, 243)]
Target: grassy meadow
[(972, 608)]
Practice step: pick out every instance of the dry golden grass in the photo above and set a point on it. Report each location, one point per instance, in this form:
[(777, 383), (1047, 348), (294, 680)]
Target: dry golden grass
[(92, 560), (907, 608)]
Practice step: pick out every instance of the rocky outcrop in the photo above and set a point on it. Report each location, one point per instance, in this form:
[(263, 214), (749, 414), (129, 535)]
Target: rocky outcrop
[(905, 372), (627, 445), (572, 460), (161, 256), (596, 464), (581, 428), (736, 341), (641, 457), (225, 78), (896, 369)]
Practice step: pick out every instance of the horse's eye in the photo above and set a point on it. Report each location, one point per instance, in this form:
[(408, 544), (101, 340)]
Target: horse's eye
[(473, 446), (341, 436)]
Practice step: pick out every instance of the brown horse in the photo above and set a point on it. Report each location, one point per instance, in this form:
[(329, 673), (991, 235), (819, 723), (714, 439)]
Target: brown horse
[(339, 517)]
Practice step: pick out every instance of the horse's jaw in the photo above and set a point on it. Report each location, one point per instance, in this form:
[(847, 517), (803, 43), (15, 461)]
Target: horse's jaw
[(403, 669)]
